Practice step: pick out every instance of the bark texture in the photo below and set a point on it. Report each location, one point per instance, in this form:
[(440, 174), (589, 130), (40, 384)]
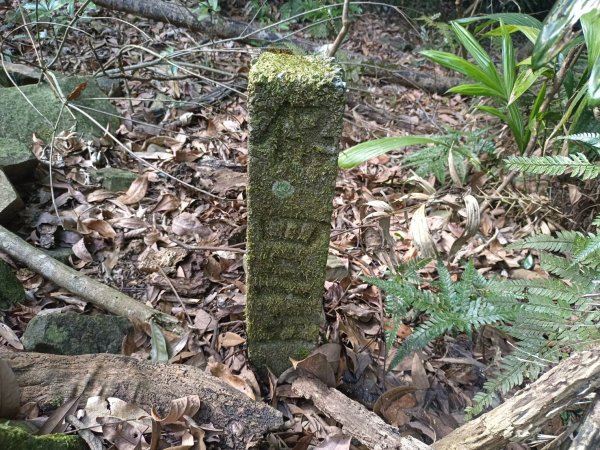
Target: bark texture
[(356, 420), (522, 415), (43, 378)]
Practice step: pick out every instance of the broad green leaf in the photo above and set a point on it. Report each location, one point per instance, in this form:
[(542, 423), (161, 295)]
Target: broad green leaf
[(557, 26), (466, 68), (494, 112), (474, 89), (522, 20), (590, 24), (529, 32), (365, 151), (508, 60), (517, 126), (537, 105), (482, 59), (523, 82), (159, 352)]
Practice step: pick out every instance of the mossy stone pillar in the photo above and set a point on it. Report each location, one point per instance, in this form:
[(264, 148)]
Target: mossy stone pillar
[(296, 111)]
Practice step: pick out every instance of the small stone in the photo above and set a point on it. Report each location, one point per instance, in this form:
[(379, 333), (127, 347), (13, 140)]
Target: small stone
[(10, 202), (11, 289), (61, 254), (113, 179), (16, 159), (75, 334)]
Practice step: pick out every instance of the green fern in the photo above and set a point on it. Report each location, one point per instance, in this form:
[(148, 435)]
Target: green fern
[(591, 139), (552, 317), (576, 164), (547, 317), (450, 306)]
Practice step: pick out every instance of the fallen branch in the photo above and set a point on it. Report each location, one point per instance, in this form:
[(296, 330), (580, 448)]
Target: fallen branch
[(522, 415), (43, 378), (75, 282), (356, 420)]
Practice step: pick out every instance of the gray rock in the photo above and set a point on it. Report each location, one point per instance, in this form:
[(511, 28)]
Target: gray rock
[(16, 159), (113, 179), (11, 289), (10, 202), (61, 254), (75, 334)]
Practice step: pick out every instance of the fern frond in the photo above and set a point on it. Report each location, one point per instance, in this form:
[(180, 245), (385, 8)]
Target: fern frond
[(562, 242), (565, 269), (577, 164), (592, 139), (591, 246)]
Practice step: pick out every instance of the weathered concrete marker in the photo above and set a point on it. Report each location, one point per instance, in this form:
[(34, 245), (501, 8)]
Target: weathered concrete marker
[(296, 111)]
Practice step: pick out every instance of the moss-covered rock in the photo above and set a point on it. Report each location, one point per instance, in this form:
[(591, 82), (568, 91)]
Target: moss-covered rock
[(19, 120), (10, 201), (16, 159), (114, 179), (296, 111), (75, 334), (16, 438), (11, 289)]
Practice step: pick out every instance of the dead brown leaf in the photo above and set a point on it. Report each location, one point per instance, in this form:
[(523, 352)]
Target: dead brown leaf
[(137, 190), (179, 407)]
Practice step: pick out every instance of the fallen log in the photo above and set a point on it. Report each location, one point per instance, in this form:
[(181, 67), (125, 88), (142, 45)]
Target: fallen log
[(218, 27), (588, 435), (98, 294), (356, 420), (43, 377), (522, 415)]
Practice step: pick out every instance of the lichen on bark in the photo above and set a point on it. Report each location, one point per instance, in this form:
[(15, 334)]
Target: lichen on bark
[(296, 111)]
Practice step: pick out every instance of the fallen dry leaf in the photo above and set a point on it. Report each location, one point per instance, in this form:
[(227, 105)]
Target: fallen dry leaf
[(179, 407), (137, 190)]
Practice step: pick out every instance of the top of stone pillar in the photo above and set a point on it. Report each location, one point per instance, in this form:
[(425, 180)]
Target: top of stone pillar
[(299, 80)]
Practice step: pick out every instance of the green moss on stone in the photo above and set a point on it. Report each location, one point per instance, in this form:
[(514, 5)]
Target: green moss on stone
[(296, 110), (16, 438), (19, 120), (11, 289)]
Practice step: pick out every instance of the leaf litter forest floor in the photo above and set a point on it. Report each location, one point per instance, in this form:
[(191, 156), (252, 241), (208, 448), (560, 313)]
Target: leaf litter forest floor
[(374, 205)]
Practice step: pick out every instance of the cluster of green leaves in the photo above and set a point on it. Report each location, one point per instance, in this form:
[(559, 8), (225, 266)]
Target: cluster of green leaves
[(449, 306), (207, 8), (548, 317), (462, 149), (57, 11)]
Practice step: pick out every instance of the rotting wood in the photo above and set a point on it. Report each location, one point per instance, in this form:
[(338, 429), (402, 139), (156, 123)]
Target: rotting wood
[(522, 415), (588, 435), (228, 29), (356, 420), (98, 294), (43, 377)]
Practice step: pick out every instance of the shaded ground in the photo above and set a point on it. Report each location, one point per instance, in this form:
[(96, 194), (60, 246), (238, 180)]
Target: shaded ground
[(196, 130)]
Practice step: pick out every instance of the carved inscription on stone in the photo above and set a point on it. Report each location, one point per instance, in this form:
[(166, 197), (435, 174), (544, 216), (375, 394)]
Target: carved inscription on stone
[(296, 110)]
